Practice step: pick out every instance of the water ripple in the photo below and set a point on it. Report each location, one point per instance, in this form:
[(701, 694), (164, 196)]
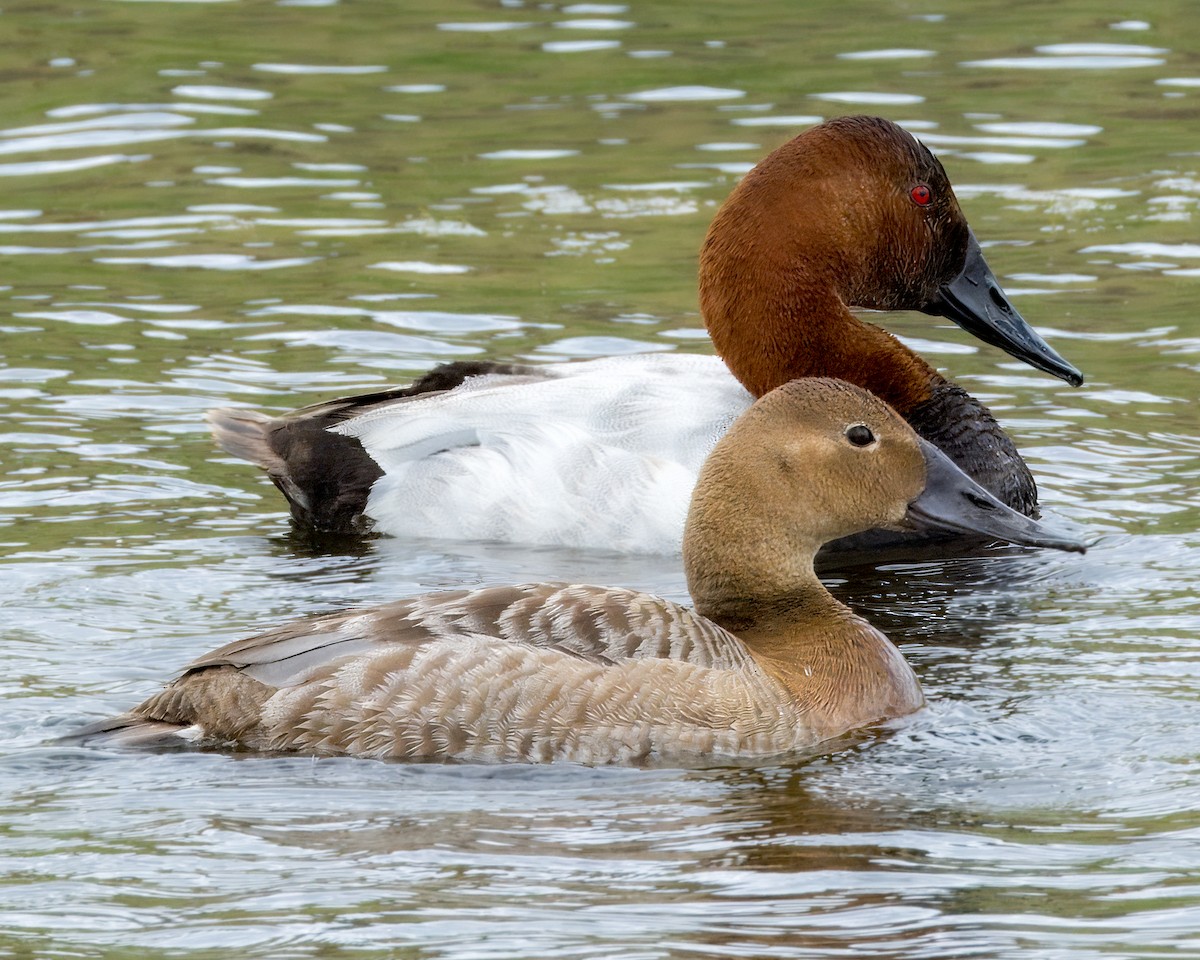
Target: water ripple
[(481, 26), (870, 97), (1043, 804), (39, 167), (888, 53), (313, 69), (1071, 62), (688, 94), (213, 261), (579, 46), (213, 92)]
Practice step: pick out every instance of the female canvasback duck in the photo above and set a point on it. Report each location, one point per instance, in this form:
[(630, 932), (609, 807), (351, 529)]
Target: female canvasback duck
[(604, 453), (768, 662)]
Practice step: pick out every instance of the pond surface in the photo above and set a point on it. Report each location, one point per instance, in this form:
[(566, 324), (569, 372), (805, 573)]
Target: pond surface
[(272, 203)]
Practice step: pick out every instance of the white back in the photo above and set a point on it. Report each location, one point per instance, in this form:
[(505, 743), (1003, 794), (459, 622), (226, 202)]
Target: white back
[(600, 454)]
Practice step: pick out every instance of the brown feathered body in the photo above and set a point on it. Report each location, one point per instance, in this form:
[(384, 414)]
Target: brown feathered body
[(530, 673)]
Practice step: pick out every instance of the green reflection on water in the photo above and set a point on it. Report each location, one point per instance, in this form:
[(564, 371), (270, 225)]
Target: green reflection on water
[(109, 415)]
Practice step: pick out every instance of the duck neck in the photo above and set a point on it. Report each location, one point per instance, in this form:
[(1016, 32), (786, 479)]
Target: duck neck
[(741, 564), (767, 338), (776, 302), (745, 595), (763, 592), (755, 577)]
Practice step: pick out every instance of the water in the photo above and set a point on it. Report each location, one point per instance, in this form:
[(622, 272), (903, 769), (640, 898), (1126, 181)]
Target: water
[(213, 203)]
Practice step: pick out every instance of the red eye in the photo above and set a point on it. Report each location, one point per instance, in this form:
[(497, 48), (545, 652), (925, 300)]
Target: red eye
[(921, 195)]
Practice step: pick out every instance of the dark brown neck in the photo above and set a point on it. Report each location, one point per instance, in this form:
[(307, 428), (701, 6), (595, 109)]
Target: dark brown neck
[(775, 314), (825, 340)]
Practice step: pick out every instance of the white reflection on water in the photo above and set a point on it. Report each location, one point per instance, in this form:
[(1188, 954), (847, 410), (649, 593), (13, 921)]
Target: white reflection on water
[(377, 346), (1147, 249), (36, 167), (590, 242), (1042, 129), (1023, 814), (579, 46), (419, 266), (256, 183), (483, 26), (1051, 143), (675, 186), (628, 208), (893, 53), (131, 119), (90, 109), (791, 121), (91, 318), (430, 321), (430, 227), (91, 227), (213, 92), (1068, 202), (1100, 49), (685, 94), (106, 137), (213, 261), (598, 9), (528, 154), (1079, 62), (569, 348), (1051, 278), (870, 98), (314, 69), (984, 156), (595, 24)]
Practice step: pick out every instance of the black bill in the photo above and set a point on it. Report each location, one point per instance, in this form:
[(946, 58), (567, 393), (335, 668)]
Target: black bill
[(953, 502), (976, 303)]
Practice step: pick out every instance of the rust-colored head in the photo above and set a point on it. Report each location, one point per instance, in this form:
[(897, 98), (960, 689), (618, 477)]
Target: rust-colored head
[(853, 212)]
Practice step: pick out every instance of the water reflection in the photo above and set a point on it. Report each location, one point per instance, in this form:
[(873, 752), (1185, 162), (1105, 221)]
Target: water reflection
[(470, 187)]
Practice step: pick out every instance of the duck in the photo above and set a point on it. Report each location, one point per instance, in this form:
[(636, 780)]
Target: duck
[(603, 454), (766, 663)]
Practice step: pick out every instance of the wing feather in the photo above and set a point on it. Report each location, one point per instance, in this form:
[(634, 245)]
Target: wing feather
[(597, 624)]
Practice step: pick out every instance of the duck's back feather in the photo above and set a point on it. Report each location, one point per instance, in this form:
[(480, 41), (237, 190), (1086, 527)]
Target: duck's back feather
[(532, 672), (602, 625), (600, 454)]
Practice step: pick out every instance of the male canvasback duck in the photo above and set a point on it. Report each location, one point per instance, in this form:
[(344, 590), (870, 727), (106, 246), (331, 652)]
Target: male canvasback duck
[(767, 663), (604, 453)]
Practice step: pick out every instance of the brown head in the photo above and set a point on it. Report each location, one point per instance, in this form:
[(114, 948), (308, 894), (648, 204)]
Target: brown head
[(813, 461), (854, 212)]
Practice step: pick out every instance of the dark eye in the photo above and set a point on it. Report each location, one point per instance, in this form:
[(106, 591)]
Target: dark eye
[(921, 195), (860, 435)]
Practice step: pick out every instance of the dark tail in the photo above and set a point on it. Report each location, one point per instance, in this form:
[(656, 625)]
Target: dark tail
[(245, 434), (325, 476)]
